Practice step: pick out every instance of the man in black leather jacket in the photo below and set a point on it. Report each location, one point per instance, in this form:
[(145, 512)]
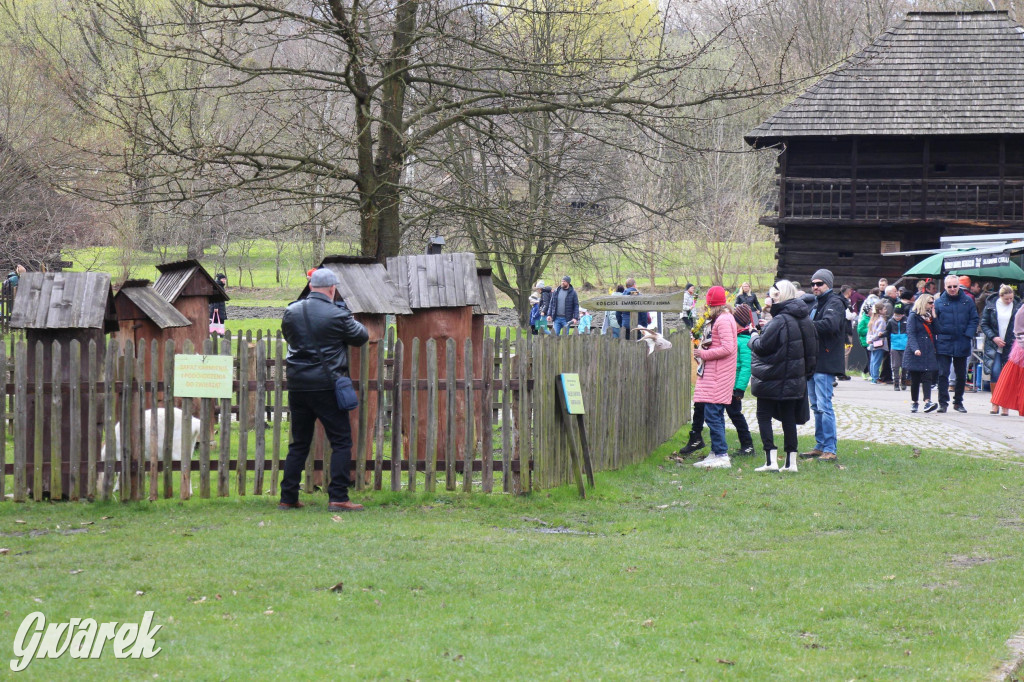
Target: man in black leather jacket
[(317, 353)]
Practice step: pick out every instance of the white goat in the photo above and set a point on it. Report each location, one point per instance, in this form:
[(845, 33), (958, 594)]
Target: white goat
[(175, 440), (654, 340)]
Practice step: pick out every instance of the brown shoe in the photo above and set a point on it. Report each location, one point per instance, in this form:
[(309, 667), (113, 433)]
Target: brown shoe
[(291, 505), (347, 505), (811, 454), (827, 457)]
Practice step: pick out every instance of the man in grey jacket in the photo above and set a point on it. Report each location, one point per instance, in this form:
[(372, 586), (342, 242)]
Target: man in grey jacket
[(318, 331)]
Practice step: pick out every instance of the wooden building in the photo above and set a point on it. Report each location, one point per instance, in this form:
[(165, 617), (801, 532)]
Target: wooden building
[(143, 316), (188, 287), (919, 136), (371, 295), (442, 291), (488, 306), (61, 306)]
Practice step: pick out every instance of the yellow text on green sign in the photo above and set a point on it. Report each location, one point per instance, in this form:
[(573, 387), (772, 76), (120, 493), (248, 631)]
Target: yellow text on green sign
[(202, 376), (573, 393)]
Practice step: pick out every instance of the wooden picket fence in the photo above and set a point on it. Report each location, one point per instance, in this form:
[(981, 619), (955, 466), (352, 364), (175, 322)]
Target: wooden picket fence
[(497, 428)]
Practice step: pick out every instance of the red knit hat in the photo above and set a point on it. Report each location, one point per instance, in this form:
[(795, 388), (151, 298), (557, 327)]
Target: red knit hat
[(716, 296)]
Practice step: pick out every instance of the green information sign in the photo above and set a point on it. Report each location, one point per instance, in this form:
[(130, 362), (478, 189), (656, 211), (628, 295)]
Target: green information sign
[(202, 376), (573, 393)]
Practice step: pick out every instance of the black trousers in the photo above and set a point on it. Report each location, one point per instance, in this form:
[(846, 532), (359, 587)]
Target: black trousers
[(735, 412), (960, 372), (922, 380), (306, 407), (786, 410)]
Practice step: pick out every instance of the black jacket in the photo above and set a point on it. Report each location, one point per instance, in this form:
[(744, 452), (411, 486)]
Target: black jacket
[(990, 327), (572, 304), (829, 317), (784, 356), (750, 299), (919, 339), (333, 330)]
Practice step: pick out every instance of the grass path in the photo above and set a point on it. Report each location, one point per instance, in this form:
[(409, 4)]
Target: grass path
[(893, 567)]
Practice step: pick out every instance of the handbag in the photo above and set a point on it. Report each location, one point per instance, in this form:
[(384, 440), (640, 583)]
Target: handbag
[(216, 325), (877, 343), (344, 392)]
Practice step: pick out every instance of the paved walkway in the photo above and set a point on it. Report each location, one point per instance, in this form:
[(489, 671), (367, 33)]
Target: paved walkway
[(878, 414)]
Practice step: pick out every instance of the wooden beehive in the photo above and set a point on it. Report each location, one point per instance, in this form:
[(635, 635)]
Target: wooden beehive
[(61, 306)]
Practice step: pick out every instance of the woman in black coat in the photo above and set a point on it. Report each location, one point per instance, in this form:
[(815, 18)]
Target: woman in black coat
[(782, 358), (919, 357)]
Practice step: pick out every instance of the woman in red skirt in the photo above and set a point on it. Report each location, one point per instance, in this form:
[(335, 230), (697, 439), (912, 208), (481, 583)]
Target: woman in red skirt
[(1009, 391)]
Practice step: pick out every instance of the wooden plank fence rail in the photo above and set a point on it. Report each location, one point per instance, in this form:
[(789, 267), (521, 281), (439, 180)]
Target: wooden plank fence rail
[(496, 426)]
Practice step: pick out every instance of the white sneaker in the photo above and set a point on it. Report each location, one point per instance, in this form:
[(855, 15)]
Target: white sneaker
[(714, 462)]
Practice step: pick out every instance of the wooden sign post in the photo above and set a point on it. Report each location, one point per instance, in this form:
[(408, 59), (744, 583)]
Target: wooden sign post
[(570, 398)]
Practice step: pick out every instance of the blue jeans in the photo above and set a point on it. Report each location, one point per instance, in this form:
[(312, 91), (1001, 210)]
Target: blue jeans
[(876, 362), (715, 419), (561, 323), (615, 332), (819, 394), (959, 366)]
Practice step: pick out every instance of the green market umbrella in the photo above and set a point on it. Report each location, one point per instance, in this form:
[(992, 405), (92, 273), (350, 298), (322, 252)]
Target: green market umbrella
[(932, 267)]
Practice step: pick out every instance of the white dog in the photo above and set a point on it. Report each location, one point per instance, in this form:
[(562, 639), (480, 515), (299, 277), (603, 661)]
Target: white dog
[(654, 340), (160, 420)]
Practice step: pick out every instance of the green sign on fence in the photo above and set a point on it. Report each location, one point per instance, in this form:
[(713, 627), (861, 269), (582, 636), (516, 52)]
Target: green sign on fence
[(202, 376), (573, 393)]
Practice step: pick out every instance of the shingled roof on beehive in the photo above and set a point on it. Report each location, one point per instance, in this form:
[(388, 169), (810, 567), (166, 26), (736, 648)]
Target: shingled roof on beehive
[(488, 297), (936, 73), (187, 278), (150, 304), (365, 286), (64, 300), (444, 280)]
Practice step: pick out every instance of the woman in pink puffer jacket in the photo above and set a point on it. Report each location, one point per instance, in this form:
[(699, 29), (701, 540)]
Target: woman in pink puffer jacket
[(715, 382)]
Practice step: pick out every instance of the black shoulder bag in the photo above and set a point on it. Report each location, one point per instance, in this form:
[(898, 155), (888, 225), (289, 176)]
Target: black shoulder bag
[(344, 391)]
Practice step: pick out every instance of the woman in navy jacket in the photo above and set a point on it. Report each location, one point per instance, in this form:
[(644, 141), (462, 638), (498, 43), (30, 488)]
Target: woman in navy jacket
[(919, 357)]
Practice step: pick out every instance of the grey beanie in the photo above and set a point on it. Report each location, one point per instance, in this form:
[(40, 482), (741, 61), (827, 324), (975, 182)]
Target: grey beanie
[(568, 279), (323, 277), (823, 275)]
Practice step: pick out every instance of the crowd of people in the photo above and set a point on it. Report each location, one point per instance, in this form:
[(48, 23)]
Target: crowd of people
[(794, 349)]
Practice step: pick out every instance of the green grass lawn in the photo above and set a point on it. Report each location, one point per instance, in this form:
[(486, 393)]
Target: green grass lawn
[(893, 567)]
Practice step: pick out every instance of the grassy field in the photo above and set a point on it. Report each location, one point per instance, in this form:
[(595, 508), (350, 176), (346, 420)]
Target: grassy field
[(254, 280), (893, 567)]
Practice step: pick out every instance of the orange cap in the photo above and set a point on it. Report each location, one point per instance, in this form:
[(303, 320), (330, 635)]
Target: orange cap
[(309, 273), (965, 281)]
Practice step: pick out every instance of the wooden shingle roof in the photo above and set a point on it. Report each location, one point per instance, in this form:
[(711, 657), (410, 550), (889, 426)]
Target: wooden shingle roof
[(151, 304), (445, 280), (187, 278), (936, 73), (365, 286), (64, 300), (488, 297)]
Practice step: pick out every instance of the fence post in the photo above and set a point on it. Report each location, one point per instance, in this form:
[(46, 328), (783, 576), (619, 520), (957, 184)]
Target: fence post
[(110, 419), (396, 417), (56, 424), (275, 464), (224, 457), (414, 413), (39, 402), (92, 438), (261, 416), (487, 416), (20, 420), (139, 442), (506, 413), (470, 454), (154, 427), (431, 454), (451, 394), (242, 460), (168, 444), (3, 422), (205, 434), (186, 436), (378, 465), (75, 423)]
